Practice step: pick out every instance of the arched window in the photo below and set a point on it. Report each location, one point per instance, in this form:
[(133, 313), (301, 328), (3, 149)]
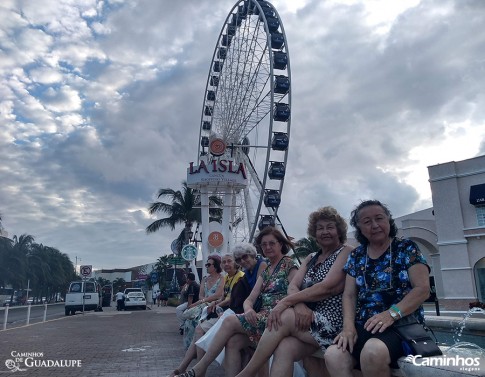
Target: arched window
[(479, 270)]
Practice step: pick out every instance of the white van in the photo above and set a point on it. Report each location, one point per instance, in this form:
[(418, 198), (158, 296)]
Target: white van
[(83, 294)]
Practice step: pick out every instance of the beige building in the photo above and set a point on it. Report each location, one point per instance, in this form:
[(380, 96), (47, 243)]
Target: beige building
[(451, 234), (458, 192)]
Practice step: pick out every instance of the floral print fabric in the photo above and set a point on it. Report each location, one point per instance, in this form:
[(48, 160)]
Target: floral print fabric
[(383, 282), (275, 288)]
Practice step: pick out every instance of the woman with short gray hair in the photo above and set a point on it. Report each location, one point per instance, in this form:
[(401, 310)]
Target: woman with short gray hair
[(246, 256)]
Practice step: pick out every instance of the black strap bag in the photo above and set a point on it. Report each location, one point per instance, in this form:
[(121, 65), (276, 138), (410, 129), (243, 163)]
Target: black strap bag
[(416, 337)]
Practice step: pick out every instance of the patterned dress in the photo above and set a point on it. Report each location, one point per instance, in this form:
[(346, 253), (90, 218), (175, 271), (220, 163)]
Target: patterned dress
[(384, 281), (191, 324), (275, 289), (327, 315)]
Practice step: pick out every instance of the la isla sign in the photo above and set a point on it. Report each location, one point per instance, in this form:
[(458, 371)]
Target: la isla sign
[(219, 166), (223, 171)]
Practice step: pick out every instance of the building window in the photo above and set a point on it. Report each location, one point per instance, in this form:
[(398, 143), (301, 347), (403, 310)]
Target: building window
[(480, 215)]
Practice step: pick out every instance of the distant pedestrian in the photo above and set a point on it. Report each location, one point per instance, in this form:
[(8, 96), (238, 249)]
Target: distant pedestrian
[(188, 295), (163, 297), (120, 300), (155, 295)]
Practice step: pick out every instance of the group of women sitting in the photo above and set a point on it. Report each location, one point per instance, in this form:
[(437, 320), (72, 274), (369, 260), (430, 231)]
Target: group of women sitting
[(341, 300)]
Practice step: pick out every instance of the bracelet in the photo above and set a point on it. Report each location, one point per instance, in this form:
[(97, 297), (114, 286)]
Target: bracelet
[(397, 310)]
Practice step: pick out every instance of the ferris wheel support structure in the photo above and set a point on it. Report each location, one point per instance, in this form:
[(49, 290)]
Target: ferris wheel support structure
[(245, 125)]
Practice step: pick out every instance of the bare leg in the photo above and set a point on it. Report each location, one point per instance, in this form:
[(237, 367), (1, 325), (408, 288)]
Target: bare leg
[(198, 334), (271, 339), (375, 359), (230, 326), (288, 351), (315, 367), (339, 363), (191, 352), (233, 354)]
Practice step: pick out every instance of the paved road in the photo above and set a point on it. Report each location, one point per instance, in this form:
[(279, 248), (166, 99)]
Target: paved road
[(108, 343)]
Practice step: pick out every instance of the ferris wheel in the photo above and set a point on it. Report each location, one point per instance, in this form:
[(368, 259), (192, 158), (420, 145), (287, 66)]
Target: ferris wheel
[(247, 104)]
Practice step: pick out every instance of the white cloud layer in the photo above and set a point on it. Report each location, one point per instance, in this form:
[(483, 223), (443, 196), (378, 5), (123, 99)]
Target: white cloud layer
[(100, 107)]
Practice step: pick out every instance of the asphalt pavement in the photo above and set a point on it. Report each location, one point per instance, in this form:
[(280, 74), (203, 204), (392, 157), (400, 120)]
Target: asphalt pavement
[(108, 343)]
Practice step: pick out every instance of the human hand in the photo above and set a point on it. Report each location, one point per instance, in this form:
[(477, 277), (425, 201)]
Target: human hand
[(379, 322), (251, 316), (303, 317), (346, 339), (274, 317)]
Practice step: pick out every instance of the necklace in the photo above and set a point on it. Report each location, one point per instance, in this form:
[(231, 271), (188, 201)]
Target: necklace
[(389, 270)]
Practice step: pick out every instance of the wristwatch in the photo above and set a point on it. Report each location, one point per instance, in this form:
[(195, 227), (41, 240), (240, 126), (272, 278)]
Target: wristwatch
[(394, 315)]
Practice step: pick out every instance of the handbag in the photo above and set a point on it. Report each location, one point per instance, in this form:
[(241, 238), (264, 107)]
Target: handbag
[(416, 339)]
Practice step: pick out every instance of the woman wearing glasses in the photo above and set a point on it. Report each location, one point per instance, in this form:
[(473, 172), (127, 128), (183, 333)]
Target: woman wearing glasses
[(224, 301), (212, 288), (310, 316), (246, 329), (387, 279), (247, 257)]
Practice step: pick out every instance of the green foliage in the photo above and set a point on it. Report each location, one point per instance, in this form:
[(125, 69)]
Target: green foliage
[(305, 247), (119, 283), (161, 266), (184, 208), (102, 281), (22, 260)]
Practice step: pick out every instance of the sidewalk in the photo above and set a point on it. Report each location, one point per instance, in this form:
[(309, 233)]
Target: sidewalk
[(108, 343)]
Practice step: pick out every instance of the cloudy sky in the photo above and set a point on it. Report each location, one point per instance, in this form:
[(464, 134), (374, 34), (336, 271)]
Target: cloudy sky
[(100, 107)]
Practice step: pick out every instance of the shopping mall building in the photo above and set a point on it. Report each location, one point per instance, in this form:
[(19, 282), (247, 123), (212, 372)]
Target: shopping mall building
[(452, 233)]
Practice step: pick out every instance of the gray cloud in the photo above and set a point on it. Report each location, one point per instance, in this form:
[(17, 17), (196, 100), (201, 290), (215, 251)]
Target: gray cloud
[(100, 106)]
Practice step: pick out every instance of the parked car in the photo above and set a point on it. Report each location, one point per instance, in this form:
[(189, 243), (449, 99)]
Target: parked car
[(135, 300), (128, 290)]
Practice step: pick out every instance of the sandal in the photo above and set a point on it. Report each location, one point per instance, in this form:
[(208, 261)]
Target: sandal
[(176, 372), (189, 373)]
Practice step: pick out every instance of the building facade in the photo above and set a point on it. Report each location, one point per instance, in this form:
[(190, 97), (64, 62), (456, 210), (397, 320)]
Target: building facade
[(458, 192)]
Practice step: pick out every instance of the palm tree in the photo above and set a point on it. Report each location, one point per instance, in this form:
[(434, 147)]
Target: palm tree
[(14, 261), (306, 246), (118, 283), (161, 266), (183, 209)]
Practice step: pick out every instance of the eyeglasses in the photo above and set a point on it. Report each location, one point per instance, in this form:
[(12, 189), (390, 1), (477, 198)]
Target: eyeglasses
[(264, 245), (244, 257), (207, 265)]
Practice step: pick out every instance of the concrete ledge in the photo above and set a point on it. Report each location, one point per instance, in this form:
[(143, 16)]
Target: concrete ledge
[(472, 323)]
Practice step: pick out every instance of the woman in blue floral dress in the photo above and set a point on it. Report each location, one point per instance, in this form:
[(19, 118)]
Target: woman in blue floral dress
[(387, 279), (246, 329)]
